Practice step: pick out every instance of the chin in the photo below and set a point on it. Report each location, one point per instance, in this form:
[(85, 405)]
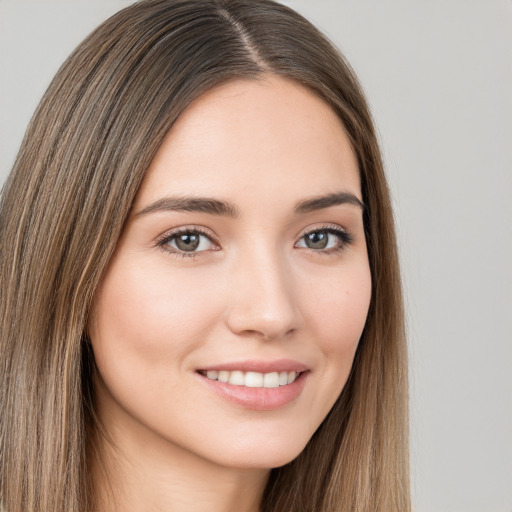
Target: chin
[(266, 454)]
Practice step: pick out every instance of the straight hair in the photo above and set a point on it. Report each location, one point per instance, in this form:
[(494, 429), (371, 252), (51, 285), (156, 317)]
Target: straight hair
[(62, 211)]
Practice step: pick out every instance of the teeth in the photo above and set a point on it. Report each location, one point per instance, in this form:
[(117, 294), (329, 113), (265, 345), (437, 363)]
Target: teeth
[(291, 377), (271, 380), (237, 378), (223, 376), (253, 379)]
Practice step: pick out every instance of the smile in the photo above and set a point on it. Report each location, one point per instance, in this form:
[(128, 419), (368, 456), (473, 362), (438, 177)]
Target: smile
[(257, 384), (252, 379)]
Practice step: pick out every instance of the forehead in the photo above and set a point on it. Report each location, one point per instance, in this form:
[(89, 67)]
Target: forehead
[(260, 139)]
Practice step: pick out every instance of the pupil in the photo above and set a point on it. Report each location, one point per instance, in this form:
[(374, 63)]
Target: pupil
[(317, 240), (187, 242)]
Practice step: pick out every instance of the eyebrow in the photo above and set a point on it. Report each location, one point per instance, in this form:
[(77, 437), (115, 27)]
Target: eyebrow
[(214, 206), (321, 202), (192, 204)]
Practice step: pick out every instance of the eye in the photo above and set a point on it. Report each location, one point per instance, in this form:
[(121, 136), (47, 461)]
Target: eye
[(187, 242), (325, 239)]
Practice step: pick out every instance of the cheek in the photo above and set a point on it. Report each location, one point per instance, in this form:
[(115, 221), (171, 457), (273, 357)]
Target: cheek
[(339, 306), (337, 314), (143, 318)]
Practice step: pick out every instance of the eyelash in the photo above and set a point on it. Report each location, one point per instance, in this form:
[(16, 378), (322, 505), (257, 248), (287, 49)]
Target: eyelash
[(162, 242), (344, 239)]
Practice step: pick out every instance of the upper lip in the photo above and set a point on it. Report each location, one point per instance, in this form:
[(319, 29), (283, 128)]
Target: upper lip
[(260, 366)]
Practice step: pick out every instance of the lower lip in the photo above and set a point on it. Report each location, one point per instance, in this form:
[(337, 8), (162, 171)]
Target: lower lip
[(258, 399)]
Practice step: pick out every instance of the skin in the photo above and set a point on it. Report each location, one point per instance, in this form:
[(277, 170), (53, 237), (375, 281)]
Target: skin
[(255, 291)]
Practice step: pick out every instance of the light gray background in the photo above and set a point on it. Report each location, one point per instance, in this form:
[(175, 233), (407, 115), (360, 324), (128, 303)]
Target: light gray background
[(438, 75)]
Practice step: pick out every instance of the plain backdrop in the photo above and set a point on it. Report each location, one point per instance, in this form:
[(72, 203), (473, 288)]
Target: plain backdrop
[(438, 75)]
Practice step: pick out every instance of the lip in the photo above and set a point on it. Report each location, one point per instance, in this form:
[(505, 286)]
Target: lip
[(258, 399), (260, 366)]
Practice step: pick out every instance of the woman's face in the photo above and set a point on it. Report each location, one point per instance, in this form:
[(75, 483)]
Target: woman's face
[(226, 324)]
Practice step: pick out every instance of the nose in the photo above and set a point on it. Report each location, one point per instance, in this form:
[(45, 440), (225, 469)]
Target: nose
[(263, 298)]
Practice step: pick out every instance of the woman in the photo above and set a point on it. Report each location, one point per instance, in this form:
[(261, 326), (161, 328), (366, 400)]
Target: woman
[(200, 286)]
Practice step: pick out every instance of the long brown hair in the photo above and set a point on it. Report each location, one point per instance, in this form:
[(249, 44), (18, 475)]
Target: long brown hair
[(62, 211)]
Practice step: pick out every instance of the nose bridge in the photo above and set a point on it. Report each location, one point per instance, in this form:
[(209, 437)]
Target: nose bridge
[(263, 300)]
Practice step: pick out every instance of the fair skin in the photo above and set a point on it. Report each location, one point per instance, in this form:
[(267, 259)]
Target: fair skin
[(259, 283)]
